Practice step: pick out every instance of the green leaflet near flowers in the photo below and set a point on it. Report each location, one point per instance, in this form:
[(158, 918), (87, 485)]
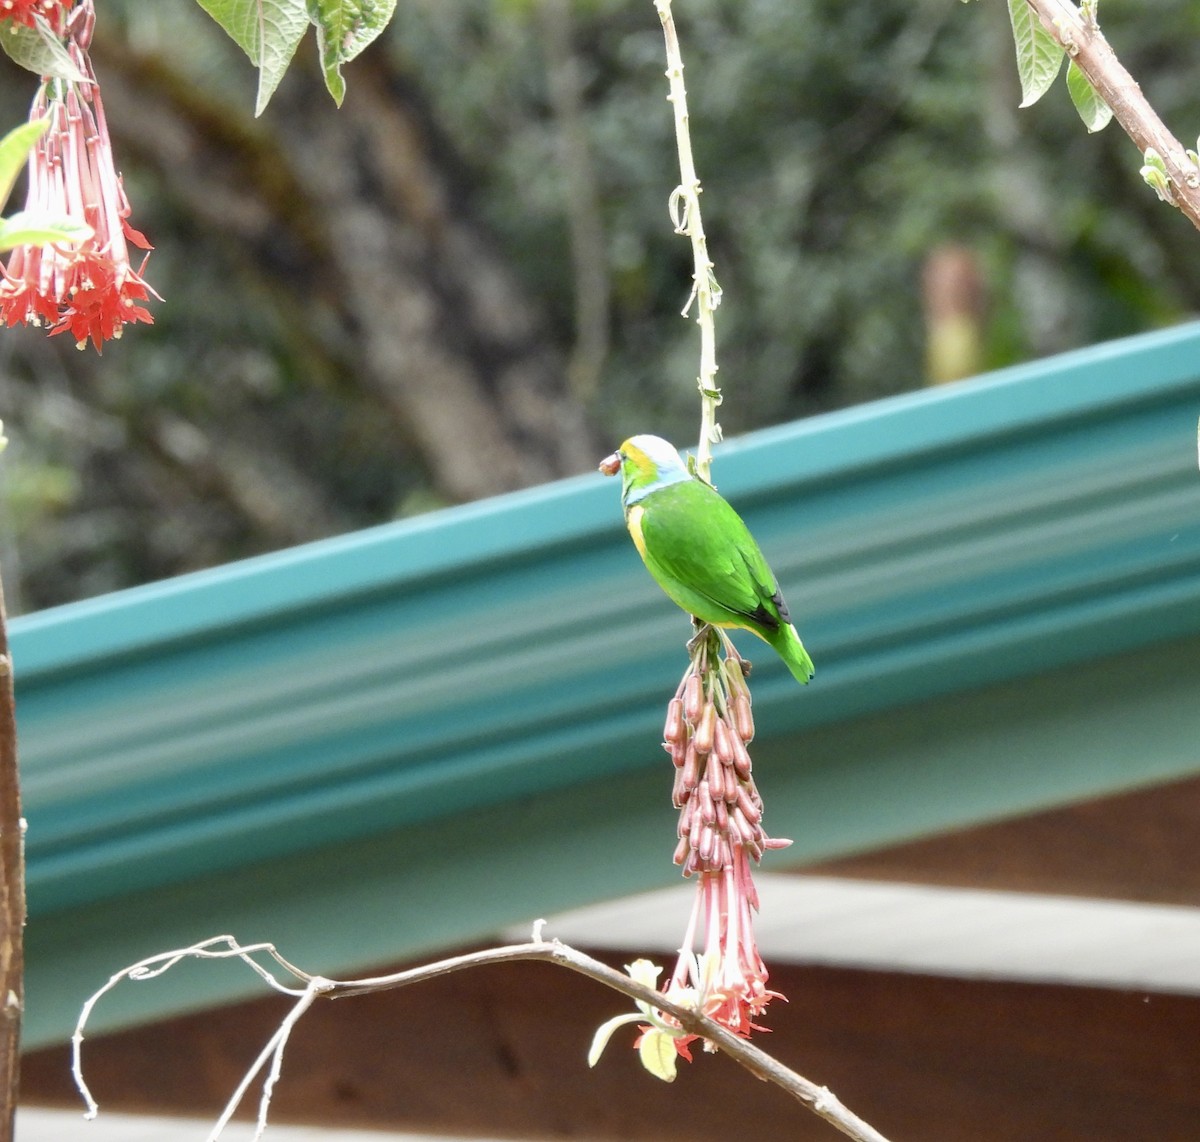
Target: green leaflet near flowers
[(24, 228), (28, 229), (1039, 55), (14, 150), (656, 1048), (658, 1055), (1094, 112), (605, 1032), (39, 50), (268, 31)]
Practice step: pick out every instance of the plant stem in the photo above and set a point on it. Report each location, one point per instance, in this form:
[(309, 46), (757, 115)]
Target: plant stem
[(685, 212), (1086, 45), (12, 893)]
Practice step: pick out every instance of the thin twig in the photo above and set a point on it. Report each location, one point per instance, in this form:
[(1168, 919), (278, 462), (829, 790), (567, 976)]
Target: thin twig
[(273, 1050), (685, 213), (817, 1098), (1086, 45), (214, 948)]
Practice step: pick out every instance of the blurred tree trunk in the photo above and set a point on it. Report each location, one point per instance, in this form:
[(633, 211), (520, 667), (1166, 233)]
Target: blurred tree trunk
[(358, 222)]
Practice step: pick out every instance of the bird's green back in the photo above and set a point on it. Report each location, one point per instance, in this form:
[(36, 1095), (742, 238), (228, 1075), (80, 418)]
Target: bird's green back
[(697, 546)]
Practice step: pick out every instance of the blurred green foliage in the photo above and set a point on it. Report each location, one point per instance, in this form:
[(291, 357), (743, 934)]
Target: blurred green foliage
[(838, 142)]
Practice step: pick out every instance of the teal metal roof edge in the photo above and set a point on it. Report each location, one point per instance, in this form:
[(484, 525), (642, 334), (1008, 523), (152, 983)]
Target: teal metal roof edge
[(929, 543), (893, 431), (348, 908)]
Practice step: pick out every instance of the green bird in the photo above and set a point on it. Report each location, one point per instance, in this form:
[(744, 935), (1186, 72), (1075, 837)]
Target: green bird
[(699, 550)]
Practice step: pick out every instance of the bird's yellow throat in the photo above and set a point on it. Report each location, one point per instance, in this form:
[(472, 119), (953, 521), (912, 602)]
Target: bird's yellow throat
[(633, 521)]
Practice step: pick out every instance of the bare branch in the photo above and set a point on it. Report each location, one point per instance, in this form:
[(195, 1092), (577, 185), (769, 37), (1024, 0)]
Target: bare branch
[(214, 948), (819, 1099)]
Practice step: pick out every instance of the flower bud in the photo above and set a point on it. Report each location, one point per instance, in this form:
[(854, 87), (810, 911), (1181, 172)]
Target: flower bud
[(741, 758), (743, 718), (734, 677), (723, 741), (691, 768), (674, 730), (722, 814), (745, 803), (696, 827), (702, 738), (745, 831), (693, 698), (732, 785), (706, 805)]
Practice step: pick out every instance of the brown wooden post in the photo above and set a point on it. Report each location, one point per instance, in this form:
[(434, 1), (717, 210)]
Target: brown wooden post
[(12, 893)]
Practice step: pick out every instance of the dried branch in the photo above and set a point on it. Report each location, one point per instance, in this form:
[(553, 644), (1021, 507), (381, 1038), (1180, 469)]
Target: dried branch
[(1083, 42), (819, 1099), (685, 212)]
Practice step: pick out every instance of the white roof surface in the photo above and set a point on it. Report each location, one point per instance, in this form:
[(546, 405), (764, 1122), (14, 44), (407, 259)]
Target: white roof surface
[(931, 929)]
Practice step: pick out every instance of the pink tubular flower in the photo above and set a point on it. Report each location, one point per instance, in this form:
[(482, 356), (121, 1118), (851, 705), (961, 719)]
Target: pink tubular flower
[(88, 289), (708, 728), (709, 725), (26, 11)]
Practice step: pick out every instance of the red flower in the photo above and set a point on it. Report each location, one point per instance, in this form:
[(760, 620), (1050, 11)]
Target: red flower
[(88, 289), (26, 11)]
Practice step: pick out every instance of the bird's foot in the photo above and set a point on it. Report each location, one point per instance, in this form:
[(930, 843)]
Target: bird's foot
[(704, 642)]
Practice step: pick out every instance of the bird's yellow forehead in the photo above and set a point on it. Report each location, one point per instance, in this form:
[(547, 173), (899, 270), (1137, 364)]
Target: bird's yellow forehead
[(637, 458)]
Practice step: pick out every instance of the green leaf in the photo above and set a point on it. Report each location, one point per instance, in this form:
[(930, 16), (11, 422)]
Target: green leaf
[(268, 31), (1094, 112), (39, 50), (658, 1055), (344, 28), (605, 1032), (1039, 55), (1154, 172), (14, 151), (25, 229)]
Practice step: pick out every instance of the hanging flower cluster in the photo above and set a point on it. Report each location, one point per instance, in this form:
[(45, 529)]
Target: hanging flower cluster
[(708, 728), (719, 972), (87, 288)]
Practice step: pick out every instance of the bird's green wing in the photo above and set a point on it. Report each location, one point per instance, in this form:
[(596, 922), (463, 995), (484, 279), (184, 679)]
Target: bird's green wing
[(702, 553)]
